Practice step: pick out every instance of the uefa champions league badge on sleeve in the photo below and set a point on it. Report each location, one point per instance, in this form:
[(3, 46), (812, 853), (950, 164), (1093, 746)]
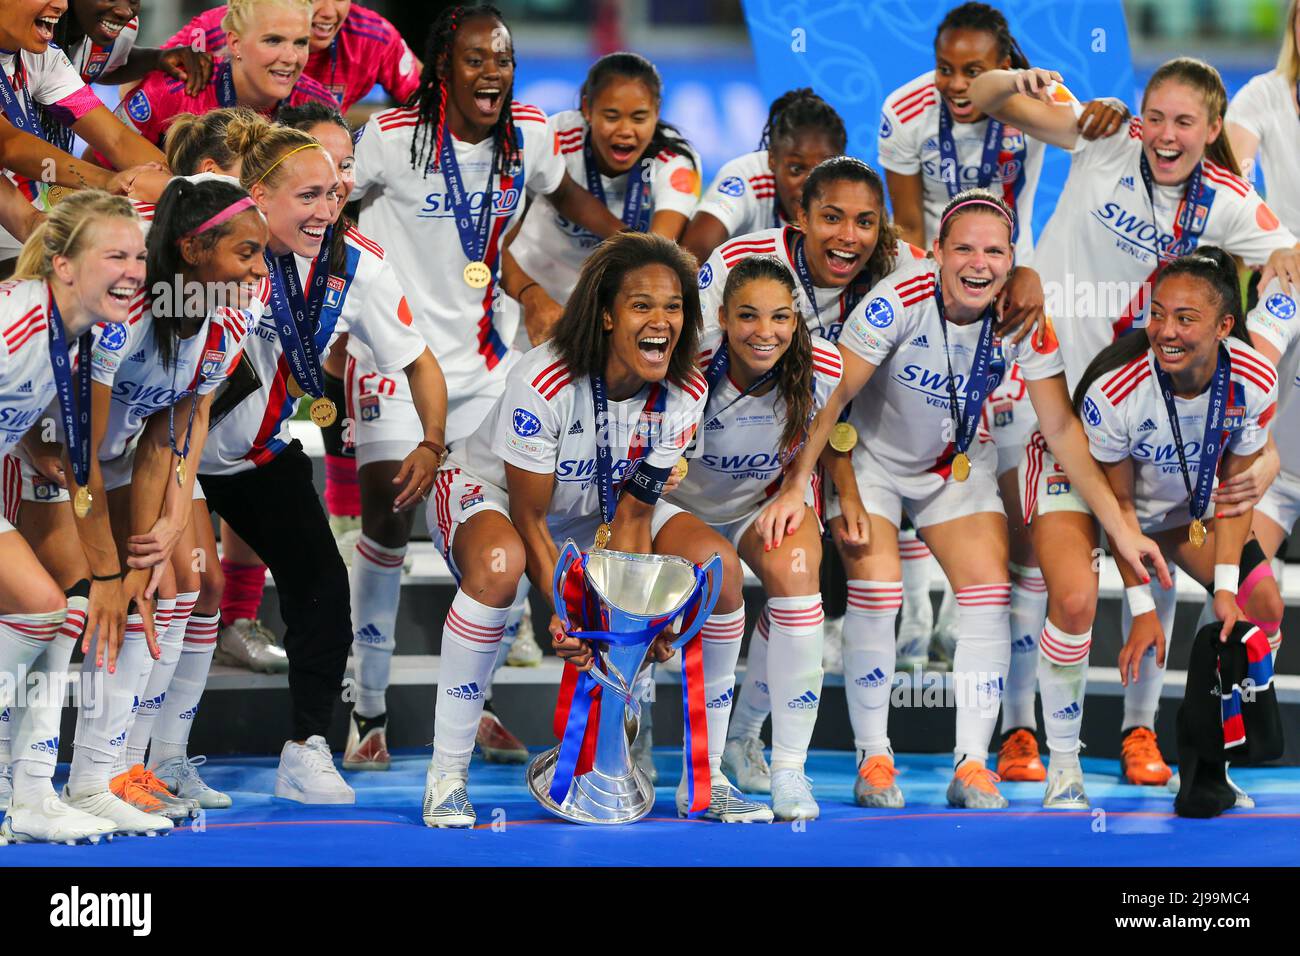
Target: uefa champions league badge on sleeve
[(1091, 414), (732, 186), (1281, 305), (705, 277), (138, 108), (880, 313), (526, 424), (886, 128)]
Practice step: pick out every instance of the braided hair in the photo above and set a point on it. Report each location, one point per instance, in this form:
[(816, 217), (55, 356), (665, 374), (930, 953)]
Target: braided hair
[(982, 18), (802, 109), (430, 97)]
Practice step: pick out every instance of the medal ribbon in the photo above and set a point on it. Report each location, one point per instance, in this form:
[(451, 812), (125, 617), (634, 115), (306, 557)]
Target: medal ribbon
[(984, 375), (76, 418), (636, 211), (473, 235), (654, 402), (296, 317), (23, 119), (1211, 449), (798, 257)]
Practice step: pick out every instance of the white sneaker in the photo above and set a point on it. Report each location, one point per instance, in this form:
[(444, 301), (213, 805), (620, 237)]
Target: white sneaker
[(833, 646), (743, 762), (446, 801), (726, 804), (180, 775), (6, 785), (307, 774), (524, 650), (250, 645), (125, 818), (53, 821), (368, 752), (1065, 789), (792, 797)]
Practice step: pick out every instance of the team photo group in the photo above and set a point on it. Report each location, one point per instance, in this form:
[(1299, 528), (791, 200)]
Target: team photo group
[(803, 372)]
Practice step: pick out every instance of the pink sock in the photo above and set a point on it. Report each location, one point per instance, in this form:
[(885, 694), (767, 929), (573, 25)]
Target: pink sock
[(342, 492), (243, 595)]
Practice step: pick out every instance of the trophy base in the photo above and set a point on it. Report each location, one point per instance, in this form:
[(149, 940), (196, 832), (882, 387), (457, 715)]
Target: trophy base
[(594, 799)]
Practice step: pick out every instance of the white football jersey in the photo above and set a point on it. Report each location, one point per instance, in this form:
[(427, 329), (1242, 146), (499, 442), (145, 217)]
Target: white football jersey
[(93, 61), (902, 414), (26, 376), (364, 301), (1124, 415), (1101, 244), (736, 463), (410, 212), (908, 143), (1274, 320), (545, 422), (826, 316), (743, 195), (125, 358), (552, 250), (1266, 107)]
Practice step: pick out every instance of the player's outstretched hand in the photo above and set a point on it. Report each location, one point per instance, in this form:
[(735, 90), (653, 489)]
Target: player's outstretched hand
[(1227, 611), (780, 518), (1037, 82), (1102, 118), (1020, 305), (415, 478), (1145, 633)]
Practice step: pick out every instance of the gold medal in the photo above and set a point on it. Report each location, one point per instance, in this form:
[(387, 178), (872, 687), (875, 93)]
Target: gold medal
[(81, 504), (56, 195), (602, 536), (477, 275), (180, 473), (680, 469), (323, 412), (844, 437), (1196, 533), (293, 388), (961, 466)]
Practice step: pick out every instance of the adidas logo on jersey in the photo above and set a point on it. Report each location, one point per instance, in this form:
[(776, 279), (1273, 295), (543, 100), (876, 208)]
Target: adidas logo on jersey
[(25, 388), (712, 425), (48, 746), (805, 701), (1070, 712), (369, 634), (137, 357), (1147, 426), (723, 700), (468, 691), (873, 679), (576, 428), (189, 714), (920, 342), (1127, 182)]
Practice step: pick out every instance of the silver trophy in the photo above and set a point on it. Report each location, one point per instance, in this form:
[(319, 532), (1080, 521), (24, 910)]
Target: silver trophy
[(638, 595)]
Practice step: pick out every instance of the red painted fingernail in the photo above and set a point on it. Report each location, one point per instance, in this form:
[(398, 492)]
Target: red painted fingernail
[(1146, 580), (1219, 515)]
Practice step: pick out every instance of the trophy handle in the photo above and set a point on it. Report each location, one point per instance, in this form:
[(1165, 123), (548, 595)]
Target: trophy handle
[(710, 591), (568, 555)]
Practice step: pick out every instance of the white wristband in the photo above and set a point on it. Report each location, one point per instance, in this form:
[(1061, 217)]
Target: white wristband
[(1226, 577), (1139, 599)]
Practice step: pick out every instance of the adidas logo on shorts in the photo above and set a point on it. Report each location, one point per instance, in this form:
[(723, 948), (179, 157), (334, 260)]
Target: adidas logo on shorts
[(805, 701), (920, 342), (873, 679), (370, 634), (468, 691), (576, 428), (1147, 426), (1070, 712)]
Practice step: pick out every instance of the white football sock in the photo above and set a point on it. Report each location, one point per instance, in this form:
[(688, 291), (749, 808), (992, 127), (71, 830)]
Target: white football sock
[(753, 701), (36, 725), (915, 558), (160, 678), (107, 700), (795, 650), (1028, 611), (721, 637), (171, 730), (869, 660), (1062, 679), (470, 639), (375, 582), (1142, 696), (980, 665)]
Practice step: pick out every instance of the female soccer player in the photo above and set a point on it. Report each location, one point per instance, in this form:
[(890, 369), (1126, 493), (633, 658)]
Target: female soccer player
[(256, 477), (263, 70), (423, 173), (1137, 201), (1262, 120), (761, 190), (767, 377), (534, 475), (1211, 397), (99, 38), (352, 49), (614, 140), (83, 266), (930, 334)]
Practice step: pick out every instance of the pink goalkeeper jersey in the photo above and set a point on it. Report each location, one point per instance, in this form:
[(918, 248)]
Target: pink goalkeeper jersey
[(366, 51)]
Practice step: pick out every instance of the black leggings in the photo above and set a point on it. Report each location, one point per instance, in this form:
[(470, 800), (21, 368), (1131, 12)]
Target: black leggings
[(275, 509)]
